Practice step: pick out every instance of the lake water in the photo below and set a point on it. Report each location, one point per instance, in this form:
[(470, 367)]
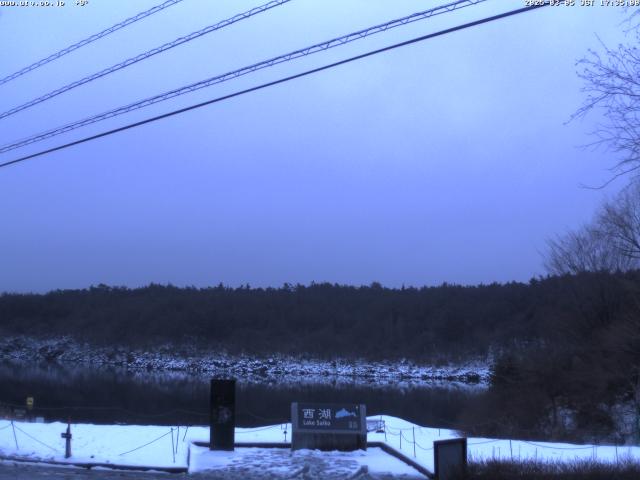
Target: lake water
[(113, 395)]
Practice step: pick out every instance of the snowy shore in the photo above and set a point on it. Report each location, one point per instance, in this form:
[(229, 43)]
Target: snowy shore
[(271, 368)]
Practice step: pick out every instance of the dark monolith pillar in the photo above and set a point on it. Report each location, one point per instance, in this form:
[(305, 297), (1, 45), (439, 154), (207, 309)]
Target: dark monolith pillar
[(223, 414)]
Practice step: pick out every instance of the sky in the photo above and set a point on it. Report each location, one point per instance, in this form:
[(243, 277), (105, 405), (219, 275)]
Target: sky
[(450, 160)]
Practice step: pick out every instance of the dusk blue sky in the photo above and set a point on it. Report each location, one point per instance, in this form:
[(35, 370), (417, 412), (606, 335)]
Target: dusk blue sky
[(444, 161)]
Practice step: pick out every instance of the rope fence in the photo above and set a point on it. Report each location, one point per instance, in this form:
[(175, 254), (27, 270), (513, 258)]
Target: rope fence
[(33, 438), (259, 429), (174, 442), (400, 432), (147, 444), (426, 449), (484, 442), (467, 428), (558, 448)]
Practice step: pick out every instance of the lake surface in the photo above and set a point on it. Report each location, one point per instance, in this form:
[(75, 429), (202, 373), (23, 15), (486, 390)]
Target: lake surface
[(118, 395)]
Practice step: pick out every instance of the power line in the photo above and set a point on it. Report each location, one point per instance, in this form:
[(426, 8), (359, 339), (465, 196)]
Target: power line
[(279, 81), (242, 71), (143, 56), (89, 40)]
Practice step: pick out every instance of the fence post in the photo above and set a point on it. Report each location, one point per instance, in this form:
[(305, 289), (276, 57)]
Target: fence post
[(14, 435), (413, 429), (400, 439), (172, 448), (67, 440), (177, 438), (511, 449)]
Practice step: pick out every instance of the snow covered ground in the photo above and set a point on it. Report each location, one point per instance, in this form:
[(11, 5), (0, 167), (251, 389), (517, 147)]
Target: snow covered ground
[(156, 446), (280, 462), (273, 368)]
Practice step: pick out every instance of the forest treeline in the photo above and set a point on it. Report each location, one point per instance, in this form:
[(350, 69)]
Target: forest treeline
[(327, 320)]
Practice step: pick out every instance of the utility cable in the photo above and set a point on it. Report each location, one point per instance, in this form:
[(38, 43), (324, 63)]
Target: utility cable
[(89, 40), (143, 56), (279, 81), (243, 71)]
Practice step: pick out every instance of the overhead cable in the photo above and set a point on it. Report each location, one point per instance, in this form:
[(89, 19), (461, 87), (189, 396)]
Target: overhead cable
[(89, 40), (319, 47), (277, 82), (143, 56)]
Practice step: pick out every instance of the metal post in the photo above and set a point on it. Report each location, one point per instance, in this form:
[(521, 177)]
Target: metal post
[(67, 440), (413, 429), (173, 451)]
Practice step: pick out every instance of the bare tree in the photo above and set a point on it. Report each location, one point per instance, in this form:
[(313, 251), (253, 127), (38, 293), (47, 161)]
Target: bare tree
[(585, 250), (612, 84), (610, 243), (619, 222)]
